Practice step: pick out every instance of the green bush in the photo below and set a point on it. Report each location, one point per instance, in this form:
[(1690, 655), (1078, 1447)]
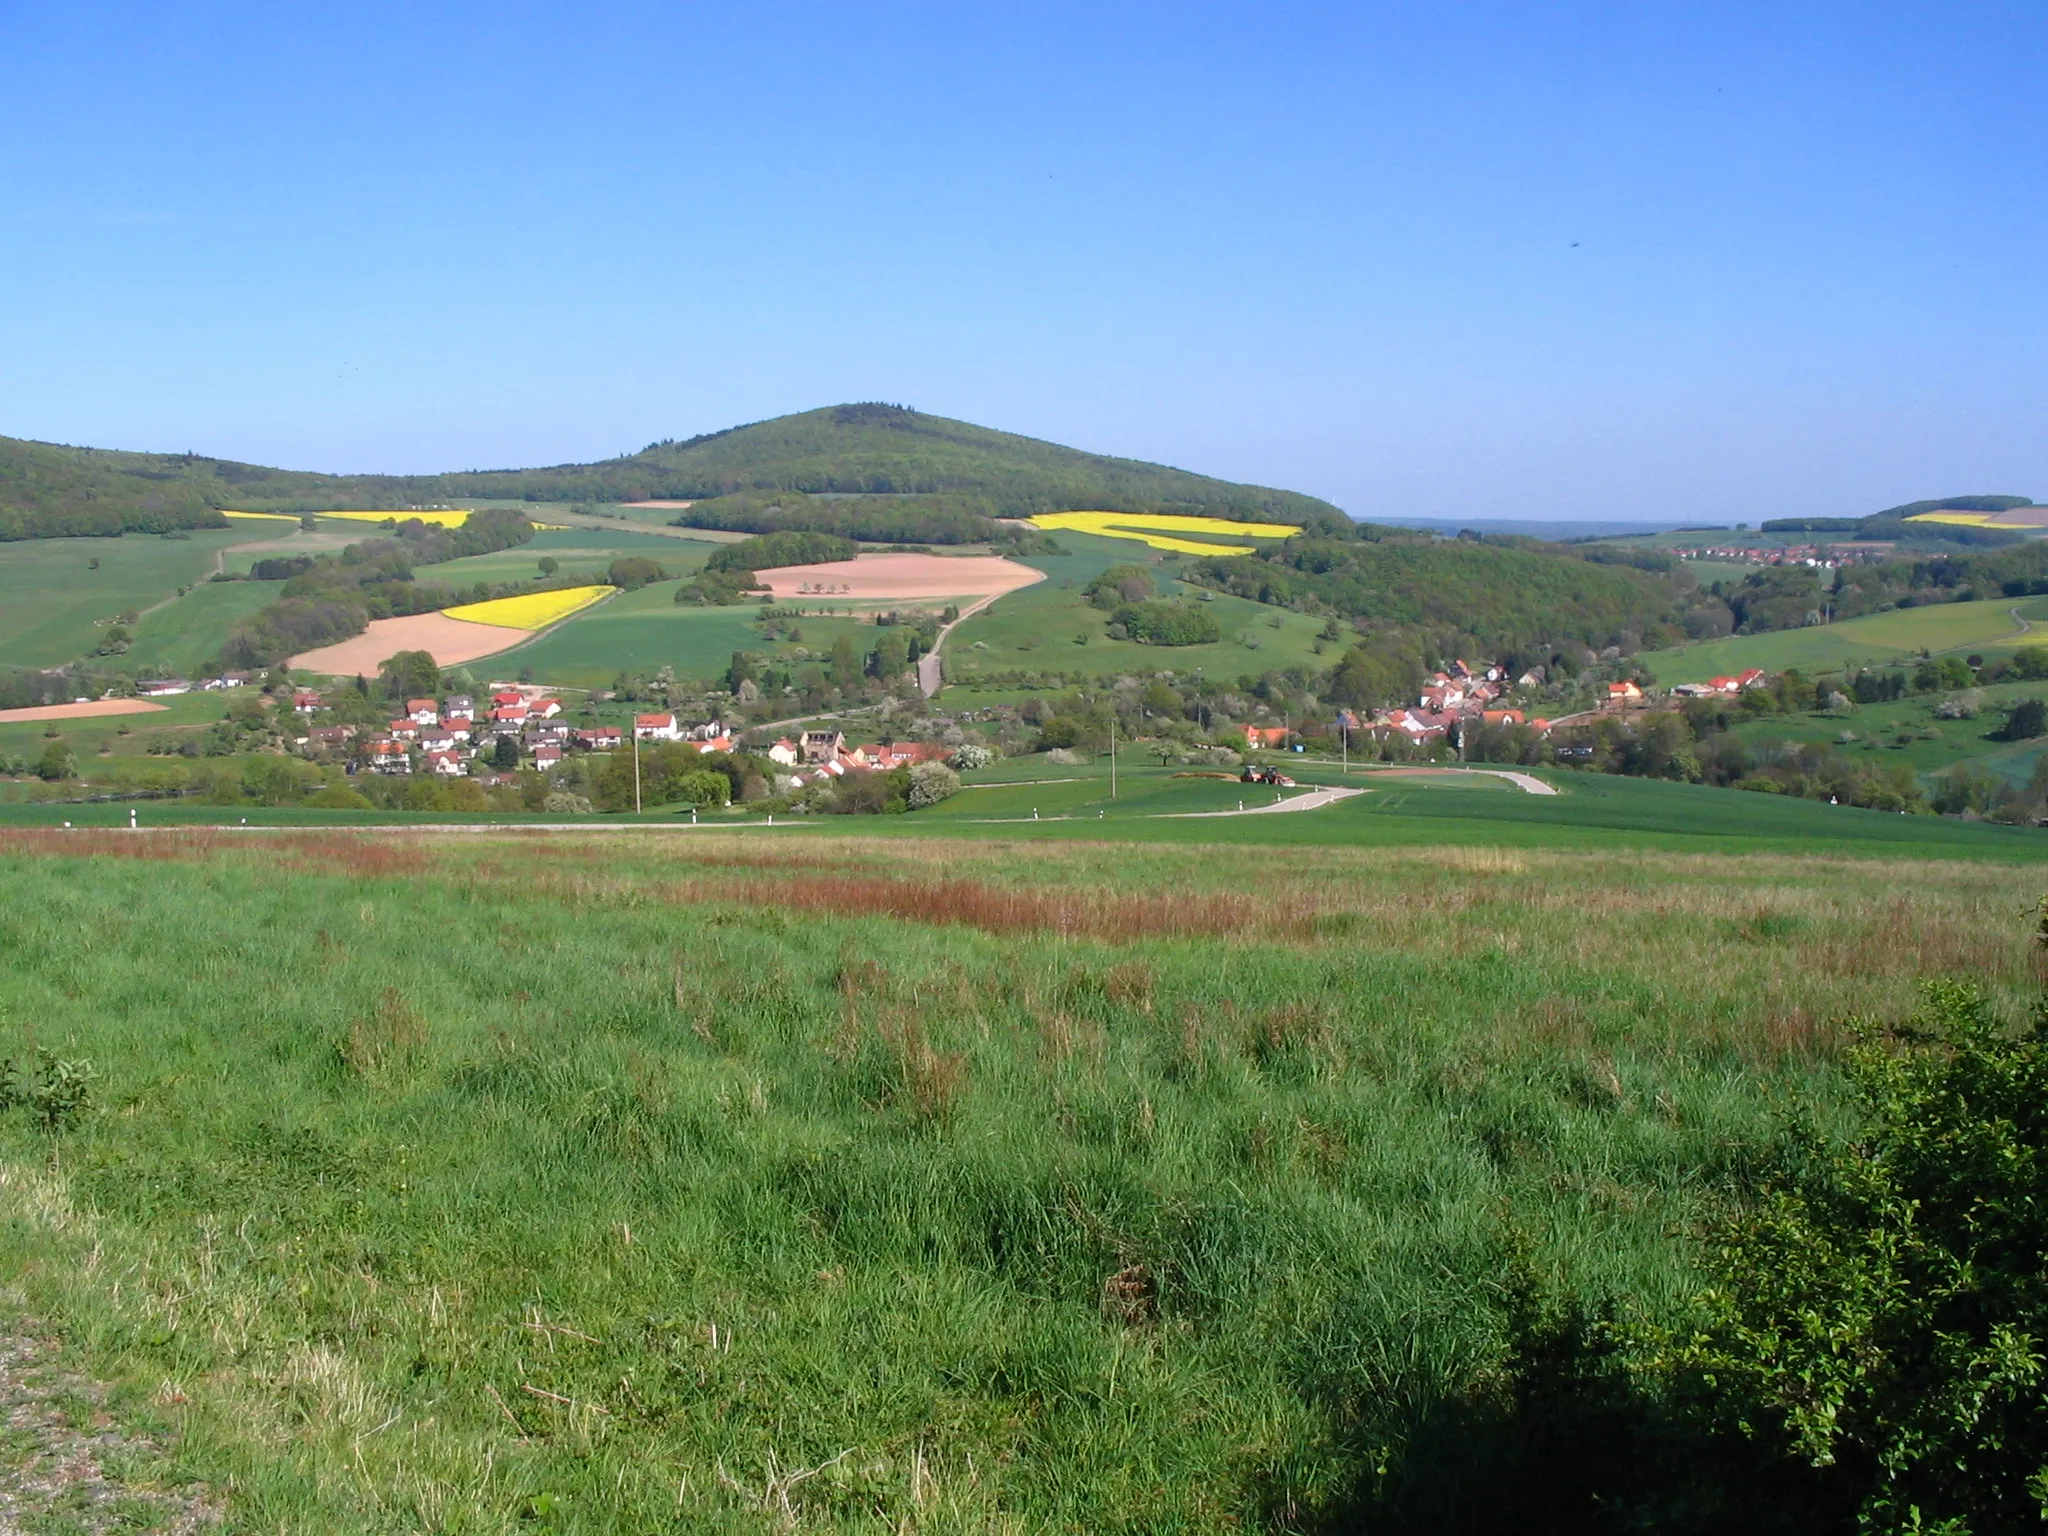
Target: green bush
[(1161, 623), (1883, 1309)]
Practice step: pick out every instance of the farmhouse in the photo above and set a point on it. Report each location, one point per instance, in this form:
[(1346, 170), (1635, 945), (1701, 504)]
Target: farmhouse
[(1272, 737), (163, 687), (661, 727), (600, 738), (446, 764), (823, 746), (422, 712), (305, 701)]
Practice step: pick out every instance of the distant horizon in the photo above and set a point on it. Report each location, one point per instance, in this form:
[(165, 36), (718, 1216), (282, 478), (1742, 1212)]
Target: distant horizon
[(1600, 262), (1453, 520)]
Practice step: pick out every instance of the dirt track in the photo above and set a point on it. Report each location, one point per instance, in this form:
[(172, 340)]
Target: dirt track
[(451, 641)]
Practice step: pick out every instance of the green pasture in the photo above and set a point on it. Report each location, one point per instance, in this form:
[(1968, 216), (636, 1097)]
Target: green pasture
[(1475, 809), (1906, 731), (119, 735), (1050, 626), (495, 1184), (1880, 639), (639, 632), (258, 542), (579, 551), (54, 606), (181, 637)]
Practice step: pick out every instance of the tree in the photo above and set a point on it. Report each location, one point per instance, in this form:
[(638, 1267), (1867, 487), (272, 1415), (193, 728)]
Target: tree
[(703, 789), (2029, 718), (1883, 1310), (846, 667), (505, 755), (549, 565), (631, 572), (411, 675), (55, 764), (930, 783)]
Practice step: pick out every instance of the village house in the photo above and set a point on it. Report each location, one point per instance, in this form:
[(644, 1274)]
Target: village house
[(601, 738), (1624, 694), (786, 752), (432, 738), (422, 712), (545, 709), (163, 687), (547, 755), (509, 714), (661, 727), (388, 757), (331, 736), (824, 746), (458, 706), (403, 730), (446, 764), (305, 701), (1268, 737)]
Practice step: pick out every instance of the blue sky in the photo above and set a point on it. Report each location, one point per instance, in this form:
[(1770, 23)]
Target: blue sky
[(1710, 262)]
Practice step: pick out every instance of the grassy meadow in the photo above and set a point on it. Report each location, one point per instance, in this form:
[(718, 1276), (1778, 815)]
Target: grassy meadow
[(852, 1183), (54, 606), (1907, 731), (1051, 626), (1880, 639)]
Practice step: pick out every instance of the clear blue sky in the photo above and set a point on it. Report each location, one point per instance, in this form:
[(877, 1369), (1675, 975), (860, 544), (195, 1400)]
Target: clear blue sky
[(1590, 260)]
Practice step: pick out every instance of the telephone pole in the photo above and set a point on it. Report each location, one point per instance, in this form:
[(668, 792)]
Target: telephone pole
[(1112, 754), (636, 770)]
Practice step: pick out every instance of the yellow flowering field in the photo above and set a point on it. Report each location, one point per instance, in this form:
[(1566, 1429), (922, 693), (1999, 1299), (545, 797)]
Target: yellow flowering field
[(536, 610), (263, 517), (1156, 529), (453, 519)]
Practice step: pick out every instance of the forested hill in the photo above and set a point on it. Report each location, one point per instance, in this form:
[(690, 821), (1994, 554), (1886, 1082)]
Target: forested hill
[(47, 490), (1497, 597)]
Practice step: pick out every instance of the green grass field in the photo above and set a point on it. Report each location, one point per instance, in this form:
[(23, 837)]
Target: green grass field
[(120, 735), (842, 1183), (1907, 731), (639, 632), (1036, 628), (182, 636), (54, 607), (1881, 639), (579, 551)]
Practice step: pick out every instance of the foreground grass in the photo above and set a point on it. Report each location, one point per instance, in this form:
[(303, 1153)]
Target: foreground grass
[(492, 1184)]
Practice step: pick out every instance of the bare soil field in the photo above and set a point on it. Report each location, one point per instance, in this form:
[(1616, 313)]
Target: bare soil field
[(451, 642), (79, 711), (882, 578)]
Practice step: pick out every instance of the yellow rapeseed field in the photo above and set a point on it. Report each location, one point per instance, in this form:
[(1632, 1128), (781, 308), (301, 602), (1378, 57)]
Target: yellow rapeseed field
[(536, 610), (267, 517), (1967, 519), (1156, 528), (439, 519)]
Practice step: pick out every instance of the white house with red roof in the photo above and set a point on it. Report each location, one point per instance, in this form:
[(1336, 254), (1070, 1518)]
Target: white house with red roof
[(422, 712), (601, 738), (446, 764), (305, 701), (660, 727)]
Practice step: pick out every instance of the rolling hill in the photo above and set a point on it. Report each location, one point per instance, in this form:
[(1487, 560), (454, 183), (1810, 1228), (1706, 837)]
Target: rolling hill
[(47, 490)]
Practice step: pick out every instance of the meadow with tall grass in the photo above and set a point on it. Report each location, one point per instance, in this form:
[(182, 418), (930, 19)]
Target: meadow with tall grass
[(496, 1183)]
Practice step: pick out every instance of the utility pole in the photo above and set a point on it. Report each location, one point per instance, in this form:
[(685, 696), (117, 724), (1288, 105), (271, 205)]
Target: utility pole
[(1112, 755), (636, 770)]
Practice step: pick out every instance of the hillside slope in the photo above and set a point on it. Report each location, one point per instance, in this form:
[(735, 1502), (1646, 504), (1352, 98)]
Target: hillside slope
[(47, 490)]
